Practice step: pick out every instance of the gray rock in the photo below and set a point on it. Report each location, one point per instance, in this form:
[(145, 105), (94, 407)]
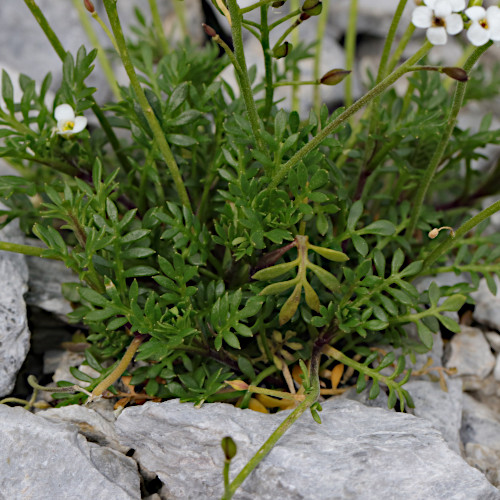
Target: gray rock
[(96, 426), (486, 459), (45, 279), (44, 460), (442, 409), (470, 353), (496, 371), (363, 397), (479, 424), (357, 452), (14, 332), (494, 340), (487, 311)]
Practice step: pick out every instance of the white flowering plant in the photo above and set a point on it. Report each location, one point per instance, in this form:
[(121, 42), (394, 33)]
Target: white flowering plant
[(230, 247)]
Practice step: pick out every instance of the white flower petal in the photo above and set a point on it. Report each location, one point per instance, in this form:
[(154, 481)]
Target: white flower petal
[(457, 5), (430, 3), (442, 8), (437, 36), (475, 13), (454, 24), (422, 17), (80, 124), (64, 113), (477, 35)]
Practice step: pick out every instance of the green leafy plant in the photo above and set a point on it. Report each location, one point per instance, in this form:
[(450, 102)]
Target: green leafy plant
[(195, 214)]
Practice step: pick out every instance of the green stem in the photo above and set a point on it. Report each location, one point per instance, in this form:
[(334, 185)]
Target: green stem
[(179, 9), (101, 53), (257, 380), (332, 126), (256, 6), (295, 12), (400, 48), (310, 399), (350, 48), (24, 249), (268, 65), (225, 474), (158, 27), (295, 6), (445, 137), (299, 82), (382, 68), (461, 231), (287, 32), (244, 80), (161, 142), (317, 55)]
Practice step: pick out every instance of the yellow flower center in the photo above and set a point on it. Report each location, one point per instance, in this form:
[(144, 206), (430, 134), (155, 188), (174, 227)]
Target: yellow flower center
[(68, 126), (438, 22), (484, 23)]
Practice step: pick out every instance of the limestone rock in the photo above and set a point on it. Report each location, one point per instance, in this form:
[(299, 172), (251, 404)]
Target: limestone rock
[(357, 452), (45, 460)]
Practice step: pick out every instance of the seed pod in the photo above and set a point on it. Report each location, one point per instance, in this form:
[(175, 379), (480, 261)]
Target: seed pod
[(334, 76), (304, 17), (89, 6), (278, 4), (229, 447), (282, 51), (209, 30), (458, 74), (312, 7)]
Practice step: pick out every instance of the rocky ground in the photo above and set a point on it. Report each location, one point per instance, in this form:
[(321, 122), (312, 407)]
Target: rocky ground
[(449, 448)]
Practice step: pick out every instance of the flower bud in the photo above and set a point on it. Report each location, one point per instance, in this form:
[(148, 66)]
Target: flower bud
[(237, 385), (209, 30), (312, 7), (229, 447), (433, 233), (278, 3), (304, 16), (334, 76), (282, 51), (458, 74), (89, 6)]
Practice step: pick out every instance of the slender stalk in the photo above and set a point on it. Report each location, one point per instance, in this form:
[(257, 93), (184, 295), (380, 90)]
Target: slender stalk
[(257, 380), (360, 103), (244, 80), (268, 65), (119, 369), (161, 142), (295, 6), (396, 55), (298, 82), (101, 53), (445, 137), (158, 27), (310, 399), (295, 12), (317, 55), (6, 246), (180, 12), (104, 28), (461, 231), (256, 6), (290, 28), (225, 474), (382, 68), (350, 49)]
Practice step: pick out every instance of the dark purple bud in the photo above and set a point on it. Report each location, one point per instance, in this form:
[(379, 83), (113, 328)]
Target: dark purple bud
[(458, 74), (334, 76), (209, 30)]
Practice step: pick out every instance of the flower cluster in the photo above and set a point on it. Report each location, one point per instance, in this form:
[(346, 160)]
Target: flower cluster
[(443, 17)]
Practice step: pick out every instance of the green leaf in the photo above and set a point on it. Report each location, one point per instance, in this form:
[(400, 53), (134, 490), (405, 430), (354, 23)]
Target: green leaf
[(181, 140), (381, 227), (100, 314), (392, 399), (397, 260), (361, 383), (449, 323), (453, 303), (134, 235), (379, 260), (246, 367), (177, 97), (412, 269), (327, 278), (434, 294), (8, 92), (425, 335), (95, 298), (231, 339), (318, 180), (312, 299), (138, 271), (276, 288), (375, 390), (354, 215), (387, 360), (79, 375), (328, 253), (360, 244), (290, 306)]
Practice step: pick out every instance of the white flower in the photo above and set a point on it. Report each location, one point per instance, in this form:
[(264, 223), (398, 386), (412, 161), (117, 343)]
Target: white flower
[(67, 123), (439, 19), (485, 25)]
